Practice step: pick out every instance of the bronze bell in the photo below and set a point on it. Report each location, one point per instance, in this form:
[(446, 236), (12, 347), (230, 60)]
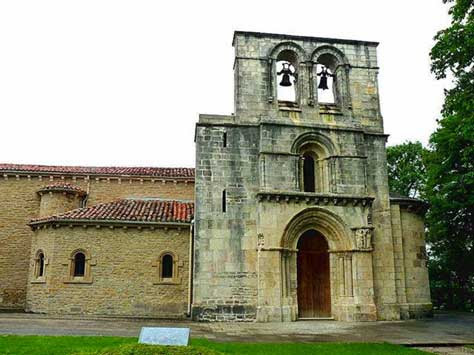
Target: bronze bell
[(286, 72), (323, 82), (285, 81)]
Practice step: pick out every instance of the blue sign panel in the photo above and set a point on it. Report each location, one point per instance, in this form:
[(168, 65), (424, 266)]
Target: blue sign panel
[(164, 336)]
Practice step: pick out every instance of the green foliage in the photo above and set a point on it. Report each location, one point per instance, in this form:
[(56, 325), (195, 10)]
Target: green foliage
[(450, 183), (52, 345), (406, 169)]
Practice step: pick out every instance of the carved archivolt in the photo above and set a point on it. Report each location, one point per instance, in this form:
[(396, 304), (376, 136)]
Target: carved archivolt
[(327, 223)]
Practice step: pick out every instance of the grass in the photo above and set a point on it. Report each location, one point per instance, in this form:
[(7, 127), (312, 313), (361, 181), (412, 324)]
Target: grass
[(57, 345), (61, 345)]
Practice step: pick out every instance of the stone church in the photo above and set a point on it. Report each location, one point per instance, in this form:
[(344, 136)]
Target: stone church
[(287, 214)]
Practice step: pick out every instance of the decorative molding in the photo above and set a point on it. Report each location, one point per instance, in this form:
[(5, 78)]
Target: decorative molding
[(318, 199), (98, 177), (108, 223)]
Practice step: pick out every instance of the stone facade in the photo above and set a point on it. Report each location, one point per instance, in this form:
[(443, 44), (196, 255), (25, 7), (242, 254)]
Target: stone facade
[(21, 202), (123, 277), (277, 184), (251, 203)]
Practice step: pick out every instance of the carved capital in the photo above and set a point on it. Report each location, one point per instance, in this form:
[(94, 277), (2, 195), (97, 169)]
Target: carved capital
[(363, 238)]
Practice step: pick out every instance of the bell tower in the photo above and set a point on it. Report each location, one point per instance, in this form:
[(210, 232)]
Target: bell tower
[(331, 78), (304, 154)]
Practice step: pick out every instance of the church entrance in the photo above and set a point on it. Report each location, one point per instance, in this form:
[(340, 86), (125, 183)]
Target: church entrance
[(314, 293)]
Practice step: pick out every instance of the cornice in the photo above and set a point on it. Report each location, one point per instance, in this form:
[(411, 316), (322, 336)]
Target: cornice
[(314, 198)]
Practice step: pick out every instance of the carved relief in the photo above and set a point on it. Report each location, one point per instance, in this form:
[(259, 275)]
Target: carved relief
[(363, 238)]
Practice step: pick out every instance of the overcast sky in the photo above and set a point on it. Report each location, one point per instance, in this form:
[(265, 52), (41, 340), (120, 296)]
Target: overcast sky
[(122, 82)]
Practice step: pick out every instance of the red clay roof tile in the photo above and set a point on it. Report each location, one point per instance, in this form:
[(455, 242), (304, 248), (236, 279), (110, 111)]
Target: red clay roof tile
[(129, 210), (101, 170)]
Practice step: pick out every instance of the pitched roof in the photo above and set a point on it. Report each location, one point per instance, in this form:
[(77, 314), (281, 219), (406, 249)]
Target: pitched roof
[(63, 188), (100, 170), (128, 210)]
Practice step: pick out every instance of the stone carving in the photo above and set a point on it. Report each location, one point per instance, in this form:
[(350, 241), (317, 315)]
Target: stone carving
[(363, 238), (260, 241)]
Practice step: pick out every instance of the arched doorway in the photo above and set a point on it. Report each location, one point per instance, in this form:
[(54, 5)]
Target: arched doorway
[(314, 292)]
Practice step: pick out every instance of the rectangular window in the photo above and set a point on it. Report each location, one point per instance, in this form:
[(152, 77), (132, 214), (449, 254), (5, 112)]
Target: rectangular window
[(224, 201), (224, 140)]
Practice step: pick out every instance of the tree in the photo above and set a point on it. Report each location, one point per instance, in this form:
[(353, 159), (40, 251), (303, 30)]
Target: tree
[(450, 165), (406, 169)]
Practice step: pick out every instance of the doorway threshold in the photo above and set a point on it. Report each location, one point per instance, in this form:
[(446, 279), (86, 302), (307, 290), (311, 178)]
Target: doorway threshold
[(316, 318)]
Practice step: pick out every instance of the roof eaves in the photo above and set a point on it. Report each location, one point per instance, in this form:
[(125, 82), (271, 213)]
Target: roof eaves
[(106, 222)]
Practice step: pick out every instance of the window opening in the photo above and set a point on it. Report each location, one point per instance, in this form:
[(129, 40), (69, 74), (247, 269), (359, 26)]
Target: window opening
[(79, 264), (167, 267), (224, 201), (41, 265), (308, 173), (224, 140)]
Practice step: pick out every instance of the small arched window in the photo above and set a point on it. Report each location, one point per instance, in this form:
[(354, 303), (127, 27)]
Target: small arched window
[(309, 182), (39, 264), (167, 266), (79, 266)]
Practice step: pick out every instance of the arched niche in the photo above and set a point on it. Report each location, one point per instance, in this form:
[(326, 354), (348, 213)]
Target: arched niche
[(314, 150)]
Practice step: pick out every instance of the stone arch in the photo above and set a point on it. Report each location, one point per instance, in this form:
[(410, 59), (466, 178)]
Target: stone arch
[(330, 225), (317, 148), (87, 276), (323, 142), (340, 58), (175, 267), (288, 46)]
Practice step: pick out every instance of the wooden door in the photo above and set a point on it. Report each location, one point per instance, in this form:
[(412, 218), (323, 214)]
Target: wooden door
[(314, 294)]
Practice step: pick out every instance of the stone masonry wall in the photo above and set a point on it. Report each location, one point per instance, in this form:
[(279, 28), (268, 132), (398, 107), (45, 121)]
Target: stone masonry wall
[(415, 258), (20, 203), (253, 86), (55, 202), (124, 272), (383, 256), (225, 242)]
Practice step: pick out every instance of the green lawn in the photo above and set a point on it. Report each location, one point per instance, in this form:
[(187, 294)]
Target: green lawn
[(61, 345)]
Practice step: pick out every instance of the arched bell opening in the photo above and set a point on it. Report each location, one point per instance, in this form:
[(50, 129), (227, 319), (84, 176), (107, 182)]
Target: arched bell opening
[(287, 64), (326, 67), (313, 276), (331, 71)]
